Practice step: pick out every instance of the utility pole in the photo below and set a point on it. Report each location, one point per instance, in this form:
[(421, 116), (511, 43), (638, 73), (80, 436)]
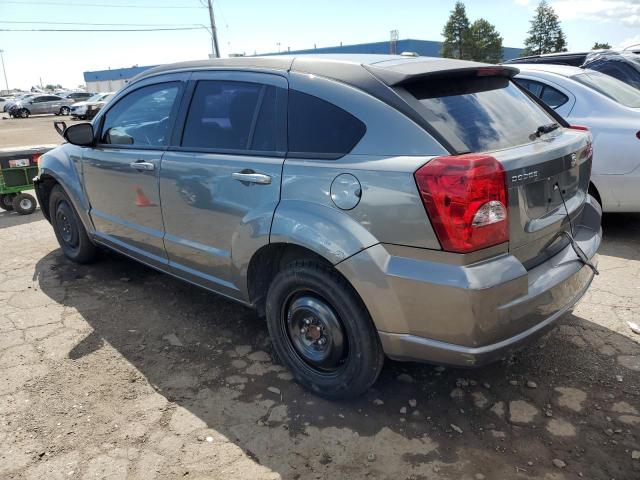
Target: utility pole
[(214, 33), (6, 83)]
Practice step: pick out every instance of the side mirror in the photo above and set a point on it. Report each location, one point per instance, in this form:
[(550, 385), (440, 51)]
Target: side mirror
[(80, 134)]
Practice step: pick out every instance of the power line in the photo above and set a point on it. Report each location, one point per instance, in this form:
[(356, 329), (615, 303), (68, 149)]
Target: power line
[(106, 24), (66, 4), (100, 30)]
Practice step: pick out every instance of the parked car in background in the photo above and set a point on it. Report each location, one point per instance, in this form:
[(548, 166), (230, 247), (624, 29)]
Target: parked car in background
[(623, 65), (10, 103), (611, 110), (77, 96), (88, 109), (355, 200), (39, 104), (4, 100)]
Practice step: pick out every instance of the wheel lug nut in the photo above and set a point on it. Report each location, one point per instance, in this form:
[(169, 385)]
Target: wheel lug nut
[(307, 321), (303, 330), (322, 341)]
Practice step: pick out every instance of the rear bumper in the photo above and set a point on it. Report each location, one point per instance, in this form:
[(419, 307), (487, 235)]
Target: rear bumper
[(435, 307)]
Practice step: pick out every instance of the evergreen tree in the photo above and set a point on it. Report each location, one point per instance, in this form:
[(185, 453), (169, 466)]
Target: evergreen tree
[(484, 43), (600, 46), (545, 34), (456, 33)]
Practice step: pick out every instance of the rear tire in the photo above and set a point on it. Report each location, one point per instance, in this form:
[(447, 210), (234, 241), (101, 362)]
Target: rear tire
[(24, 113), (322, 331), (68, 227), (65, 111), (6, 201), (24, 204)]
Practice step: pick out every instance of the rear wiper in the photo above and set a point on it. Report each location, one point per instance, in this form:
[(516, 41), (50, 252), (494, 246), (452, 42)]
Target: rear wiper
[(550, 127)]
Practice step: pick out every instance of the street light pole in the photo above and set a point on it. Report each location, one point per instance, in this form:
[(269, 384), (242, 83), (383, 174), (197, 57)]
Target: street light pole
[(6, 83)]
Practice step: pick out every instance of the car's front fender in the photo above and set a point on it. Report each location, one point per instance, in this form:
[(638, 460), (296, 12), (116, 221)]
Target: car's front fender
[(64, 165)]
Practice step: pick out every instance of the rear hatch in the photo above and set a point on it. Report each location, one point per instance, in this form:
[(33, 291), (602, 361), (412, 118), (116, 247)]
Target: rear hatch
[(482, 111)]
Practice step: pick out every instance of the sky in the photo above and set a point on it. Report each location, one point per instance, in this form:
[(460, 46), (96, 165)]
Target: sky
[(261, 26)]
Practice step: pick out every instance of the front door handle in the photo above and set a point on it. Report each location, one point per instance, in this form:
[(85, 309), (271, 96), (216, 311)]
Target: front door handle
[(252, 177), (140, 165)]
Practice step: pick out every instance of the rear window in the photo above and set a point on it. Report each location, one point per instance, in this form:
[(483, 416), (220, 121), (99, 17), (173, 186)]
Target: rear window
[(610, 87), (485, 113), (319, 129)]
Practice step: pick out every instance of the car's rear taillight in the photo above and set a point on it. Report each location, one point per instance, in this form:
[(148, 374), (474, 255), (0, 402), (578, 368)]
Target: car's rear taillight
[(638, 134), (466, 199), (579, 127)]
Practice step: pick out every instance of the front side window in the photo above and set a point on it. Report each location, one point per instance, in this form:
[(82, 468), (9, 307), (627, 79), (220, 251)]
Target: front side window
[(141, 118), (485, 113), (319, 129), (610, 87), (228, 115)]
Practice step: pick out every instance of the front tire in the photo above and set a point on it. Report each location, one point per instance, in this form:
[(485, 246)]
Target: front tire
[(24, 204), (68, 227), (322, 331), (24, 113), (65, 111)]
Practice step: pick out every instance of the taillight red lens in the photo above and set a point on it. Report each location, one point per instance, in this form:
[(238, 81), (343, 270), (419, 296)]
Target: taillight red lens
[(579, 127), (638, 135), (466, 199)]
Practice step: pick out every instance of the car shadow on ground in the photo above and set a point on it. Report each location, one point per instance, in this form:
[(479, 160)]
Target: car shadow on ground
[(12, 219), (220, 369), (621, 232)]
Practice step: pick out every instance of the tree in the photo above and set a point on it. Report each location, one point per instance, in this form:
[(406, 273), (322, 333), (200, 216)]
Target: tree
[(600, 46), (455, 33), (484, 43), (545, 34)]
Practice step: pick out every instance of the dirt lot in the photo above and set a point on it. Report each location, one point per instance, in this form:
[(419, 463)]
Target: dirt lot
[(113, 370), (35, 130)]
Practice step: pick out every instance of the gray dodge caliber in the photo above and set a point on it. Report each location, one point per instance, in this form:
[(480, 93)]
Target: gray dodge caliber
[(366, 205)]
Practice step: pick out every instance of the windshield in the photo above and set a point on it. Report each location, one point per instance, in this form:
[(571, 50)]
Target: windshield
[(610, 87), (95, 98), (485, 113)]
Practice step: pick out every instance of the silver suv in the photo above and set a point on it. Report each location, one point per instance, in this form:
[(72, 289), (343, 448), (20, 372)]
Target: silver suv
[(418, 208), (39, 104)]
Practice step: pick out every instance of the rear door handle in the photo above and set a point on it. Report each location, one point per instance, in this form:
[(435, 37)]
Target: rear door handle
[(252, 177), (140, 165)]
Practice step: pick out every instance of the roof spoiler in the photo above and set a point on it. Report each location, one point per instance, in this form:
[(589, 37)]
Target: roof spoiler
[(418, 71)]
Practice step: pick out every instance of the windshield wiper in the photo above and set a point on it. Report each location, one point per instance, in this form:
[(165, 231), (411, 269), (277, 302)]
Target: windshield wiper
[(550, 127)]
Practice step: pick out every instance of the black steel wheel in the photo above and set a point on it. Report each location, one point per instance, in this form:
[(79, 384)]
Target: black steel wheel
[(315, 331), (24, 204), (68, 227), (322, 331), (6, 201)]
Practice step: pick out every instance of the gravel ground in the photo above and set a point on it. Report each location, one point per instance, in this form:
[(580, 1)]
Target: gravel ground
[(113, 370), (35, 130)]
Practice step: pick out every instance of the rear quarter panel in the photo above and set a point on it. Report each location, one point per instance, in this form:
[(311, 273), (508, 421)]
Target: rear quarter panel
[(390, 209)]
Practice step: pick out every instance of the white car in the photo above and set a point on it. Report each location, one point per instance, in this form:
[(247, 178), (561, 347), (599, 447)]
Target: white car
[(610, 109), (87, 109)]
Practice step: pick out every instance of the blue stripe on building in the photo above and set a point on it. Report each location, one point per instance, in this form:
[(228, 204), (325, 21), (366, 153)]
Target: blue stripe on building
[(114, 74), (425, 48)]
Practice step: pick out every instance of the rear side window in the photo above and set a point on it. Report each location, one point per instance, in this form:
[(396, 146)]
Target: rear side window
[(484, 113), (319, 129), (549, 95), (235, 116)]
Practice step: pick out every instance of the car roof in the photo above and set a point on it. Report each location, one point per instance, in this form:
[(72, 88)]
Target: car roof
[(563, 70), (391, 69)]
